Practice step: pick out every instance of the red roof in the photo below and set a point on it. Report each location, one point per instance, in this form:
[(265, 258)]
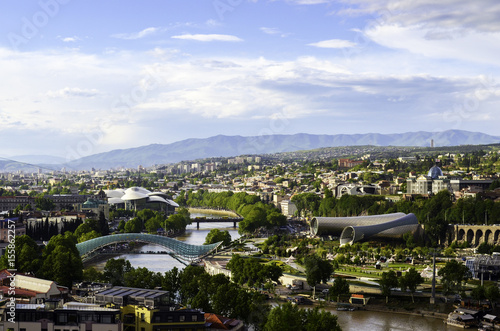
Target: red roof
[(214, 321), (19, 292)]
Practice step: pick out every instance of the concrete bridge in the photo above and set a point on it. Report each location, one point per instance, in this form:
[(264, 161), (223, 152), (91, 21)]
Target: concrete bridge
[(474, 234), (199, 220)]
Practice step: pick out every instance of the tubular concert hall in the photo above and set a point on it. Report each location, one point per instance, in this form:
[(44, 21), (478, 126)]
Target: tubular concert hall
[(358, 228)]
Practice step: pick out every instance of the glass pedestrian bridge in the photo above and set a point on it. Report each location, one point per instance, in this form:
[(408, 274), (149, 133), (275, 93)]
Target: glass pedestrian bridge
[(178, 249)]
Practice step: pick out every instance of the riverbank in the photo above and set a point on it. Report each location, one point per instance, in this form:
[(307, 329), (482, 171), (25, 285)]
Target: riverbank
[(200, 210), (439, 311)]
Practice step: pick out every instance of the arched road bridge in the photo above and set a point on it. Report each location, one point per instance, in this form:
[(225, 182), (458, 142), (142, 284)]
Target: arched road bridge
[(474, 234), (185, 253)]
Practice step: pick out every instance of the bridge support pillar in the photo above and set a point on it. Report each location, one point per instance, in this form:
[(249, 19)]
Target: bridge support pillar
[(198, 225), (234, 224)]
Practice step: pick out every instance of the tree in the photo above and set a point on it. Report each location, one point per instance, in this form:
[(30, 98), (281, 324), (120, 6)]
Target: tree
[(317, 270), (453, 274), (152, 225), (340, 287), (254, 219), (388, 281), (145, 214), (133, 226), (272, 272), (291, 317), (27, 256), (42, 203), (115, 270), (411, 280), (276, 219), (216, 235), (81, 230), (142, 278), (434, 215), (61, 260), (319, 320), (91, 274), (478, 293), (492, 293), (171, 282), (121, 226), (89, 235), (102, 225), (284, 318), (494, 185)]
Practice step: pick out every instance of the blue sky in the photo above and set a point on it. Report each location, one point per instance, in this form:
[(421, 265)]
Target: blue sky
[(84, 77)]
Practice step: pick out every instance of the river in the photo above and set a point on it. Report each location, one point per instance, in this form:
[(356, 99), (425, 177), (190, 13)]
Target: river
[(164, 262), (355, 320)]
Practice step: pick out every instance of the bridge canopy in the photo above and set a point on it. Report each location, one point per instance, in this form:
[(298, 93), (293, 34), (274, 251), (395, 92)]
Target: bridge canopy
[(179, 249)]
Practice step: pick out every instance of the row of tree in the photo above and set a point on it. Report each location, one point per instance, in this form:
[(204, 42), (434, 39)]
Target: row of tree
[(44, 230), (256, 213), (252, 272), (153, 221)]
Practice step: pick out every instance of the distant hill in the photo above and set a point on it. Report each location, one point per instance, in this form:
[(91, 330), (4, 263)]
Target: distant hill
[(228, 146), (38, 159)]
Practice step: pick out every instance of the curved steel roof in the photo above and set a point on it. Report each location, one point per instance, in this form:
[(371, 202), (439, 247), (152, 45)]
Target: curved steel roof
[(136, 193), (352, 229), (117, 193), (335, 225)]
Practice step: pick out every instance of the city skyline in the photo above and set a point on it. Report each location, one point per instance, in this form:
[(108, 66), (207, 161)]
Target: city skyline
[(93, 77)]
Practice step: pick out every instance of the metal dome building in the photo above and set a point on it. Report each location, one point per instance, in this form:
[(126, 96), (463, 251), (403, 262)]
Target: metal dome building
[(357, 228), (137, 198), (435, 172)]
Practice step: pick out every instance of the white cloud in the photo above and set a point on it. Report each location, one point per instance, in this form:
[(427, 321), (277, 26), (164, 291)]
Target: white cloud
[(333, 43), (68, 92), (448, 15), (274, 31), (136, 35), (309, 2), (474, 47), (212, 23), (270, 30), (208, 37), (69, 39), (121, 96)]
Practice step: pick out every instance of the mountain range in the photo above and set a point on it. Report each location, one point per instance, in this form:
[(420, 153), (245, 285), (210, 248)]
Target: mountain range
[(229, 146)]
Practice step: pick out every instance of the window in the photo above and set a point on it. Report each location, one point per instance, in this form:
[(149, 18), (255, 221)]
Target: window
[(106, 319), (182, 318), (194, 318), (62, 318)]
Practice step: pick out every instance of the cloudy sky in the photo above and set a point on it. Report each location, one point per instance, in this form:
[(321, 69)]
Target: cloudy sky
[(83, 77)]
